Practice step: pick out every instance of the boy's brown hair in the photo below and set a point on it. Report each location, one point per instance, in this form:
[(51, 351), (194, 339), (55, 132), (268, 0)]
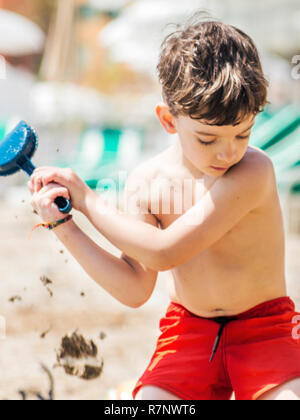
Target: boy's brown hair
[(212, 71)]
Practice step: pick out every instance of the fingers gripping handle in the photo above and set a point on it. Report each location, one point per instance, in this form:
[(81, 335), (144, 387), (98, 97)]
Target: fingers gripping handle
[(62, 203)]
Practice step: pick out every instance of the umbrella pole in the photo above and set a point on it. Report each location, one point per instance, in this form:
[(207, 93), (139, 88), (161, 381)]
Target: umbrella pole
[(57, 62)]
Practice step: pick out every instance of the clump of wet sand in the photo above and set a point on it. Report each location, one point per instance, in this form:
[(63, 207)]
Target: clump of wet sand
[(79, 357)]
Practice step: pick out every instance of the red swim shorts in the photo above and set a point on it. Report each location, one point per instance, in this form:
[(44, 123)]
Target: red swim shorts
[(251, 353)]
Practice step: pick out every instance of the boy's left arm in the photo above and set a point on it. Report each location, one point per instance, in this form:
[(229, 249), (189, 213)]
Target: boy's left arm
[(230, 199), (227, 203)]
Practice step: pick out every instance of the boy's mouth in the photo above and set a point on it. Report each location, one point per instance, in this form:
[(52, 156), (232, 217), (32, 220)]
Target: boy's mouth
[(219, 169)]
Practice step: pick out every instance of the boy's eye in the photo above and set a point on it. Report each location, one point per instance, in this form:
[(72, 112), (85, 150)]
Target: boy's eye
[(205, 142), (243, 138)]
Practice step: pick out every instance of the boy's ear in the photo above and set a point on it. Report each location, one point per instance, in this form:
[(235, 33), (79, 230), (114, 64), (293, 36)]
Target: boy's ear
[(166, 118)]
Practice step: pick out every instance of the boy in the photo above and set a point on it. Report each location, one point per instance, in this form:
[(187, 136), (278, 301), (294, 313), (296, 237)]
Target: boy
[(230, 325)]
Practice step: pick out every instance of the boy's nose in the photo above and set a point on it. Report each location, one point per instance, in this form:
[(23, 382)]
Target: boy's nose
[(227, 155)]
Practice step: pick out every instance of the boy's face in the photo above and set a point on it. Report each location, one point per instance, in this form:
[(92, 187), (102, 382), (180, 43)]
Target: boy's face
[(208, 147)]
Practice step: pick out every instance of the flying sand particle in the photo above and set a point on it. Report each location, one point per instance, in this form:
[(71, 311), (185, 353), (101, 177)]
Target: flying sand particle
[(46, 283), (102, 335), (14, 298), (43, 335)]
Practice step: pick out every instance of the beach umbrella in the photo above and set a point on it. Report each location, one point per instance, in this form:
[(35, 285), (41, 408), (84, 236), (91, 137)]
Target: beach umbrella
[(18, 35), (135, 36), (56, 103), (16, 88)]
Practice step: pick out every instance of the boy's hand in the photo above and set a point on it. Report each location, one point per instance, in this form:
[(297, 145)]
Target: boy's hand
[(43, 202), (67, 178)]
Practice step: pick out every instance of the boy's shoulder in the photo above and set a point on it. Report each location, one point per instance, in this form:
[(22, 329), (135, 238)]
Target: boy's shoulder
[(254, 176), (259, 153), (154, 166), (254, 164)]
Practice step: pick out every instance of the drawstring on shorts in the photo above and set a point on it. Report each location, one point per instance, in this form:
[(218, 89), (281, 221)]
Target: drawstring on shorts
[(223, 321)]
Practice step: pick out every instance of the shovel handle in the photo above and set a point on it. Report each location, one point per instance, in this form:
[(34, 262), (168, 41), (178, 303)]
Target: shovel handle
[(63, 204)]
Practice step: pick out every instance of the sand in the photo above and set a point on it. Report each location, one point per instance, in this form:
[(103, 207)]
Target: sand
[(36, 320)]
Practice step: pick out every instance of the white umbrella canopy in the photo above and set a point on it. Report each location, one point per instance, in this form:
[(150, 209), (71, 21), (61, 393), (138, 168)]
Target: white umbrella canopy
[(56, 103), (18, 35), (16, 88), (135, 36)]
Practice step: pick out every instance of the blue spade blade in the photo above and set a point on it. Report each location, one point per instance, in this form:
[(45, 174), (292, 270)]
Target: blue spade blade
[(16, 151)]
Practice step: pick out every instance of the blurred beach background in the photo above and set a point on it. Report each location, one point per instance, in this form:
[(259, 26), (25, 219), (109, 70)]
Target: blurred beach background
[(83, 73)]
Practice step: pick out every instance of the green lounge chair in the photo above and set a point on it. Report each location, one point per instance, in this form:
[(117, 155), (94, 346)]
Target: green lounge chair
[(102, 154), (280, 125), (261, 118), (289, 181), (286, 153)]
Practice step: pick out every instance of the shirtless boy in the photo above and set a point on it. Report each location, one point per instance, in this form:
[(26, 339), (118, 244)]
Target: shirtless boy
[(230, 326)]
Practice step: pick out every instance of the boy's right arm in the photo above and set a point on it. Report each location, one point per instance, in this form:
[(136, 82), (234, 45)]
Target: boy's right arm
[(127, 280)]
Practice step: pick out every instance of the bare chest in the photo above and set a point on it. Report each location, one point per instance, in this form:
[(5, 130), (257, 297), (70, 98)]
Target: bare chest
[(245, 244), (243, 268)]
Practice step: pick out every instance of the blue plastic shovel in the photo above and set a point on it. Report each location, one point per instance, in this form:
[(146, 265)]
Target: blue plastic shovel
[(16, 151)]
